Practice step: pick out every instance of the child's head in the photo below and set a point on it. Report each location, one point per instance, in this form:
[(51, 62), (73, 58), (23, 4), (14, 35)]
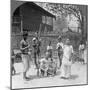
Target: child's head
[(67, 41), (49, 43)]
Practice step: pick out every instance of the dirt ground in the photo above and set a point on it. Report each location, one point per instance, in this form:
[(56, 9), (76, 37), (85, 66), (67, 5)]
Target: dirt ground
[(78, 77)]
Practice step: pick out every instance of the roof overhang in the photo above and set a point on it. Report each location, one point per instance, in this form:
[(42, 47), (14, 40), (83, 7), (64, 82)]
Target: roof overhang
[(16, 4)]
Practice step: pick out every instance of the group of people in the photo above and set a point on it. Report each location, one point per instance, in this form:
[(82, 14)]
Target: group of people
[(64, 50), (64, 55), (26, 52)]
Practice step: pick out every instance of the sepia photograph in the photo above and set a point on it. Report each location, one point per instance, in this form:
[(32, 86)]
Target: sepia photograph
[(49, 44)]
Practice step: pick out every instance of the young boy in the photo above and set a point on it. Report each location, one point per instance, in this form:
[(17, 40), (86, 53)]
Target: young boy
[(60, 50)]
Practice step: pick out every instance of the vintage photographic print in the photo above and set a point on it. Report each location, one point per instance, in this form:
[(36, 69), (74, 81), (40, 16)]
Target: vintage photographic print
[(49, 44)]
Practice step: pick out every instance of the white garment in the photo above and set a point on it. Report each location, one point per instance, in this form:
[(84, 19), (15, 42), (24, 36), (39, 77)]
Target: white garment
[(59, 44), (49, 47), (26, 62), (85, 55), (81, 47), (67, 51), (44, 64), (66, 64)]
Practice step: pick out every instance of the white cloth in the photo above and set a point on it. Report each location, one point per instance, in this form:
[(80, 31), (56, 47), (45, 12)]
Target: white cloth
[(67, 51), (66, 64), (81, 47), (59, 44), (44, 64), (85, 55), (26, 62), (49, 47)]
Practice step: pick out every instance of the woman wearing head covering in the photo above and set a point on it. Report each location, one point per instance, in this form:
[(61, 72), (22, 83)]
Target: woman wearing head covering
[(24, 46), (66, 60)]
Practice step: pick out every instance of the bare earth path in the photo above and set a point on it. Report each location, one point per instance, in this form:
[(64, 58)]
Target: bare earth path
[(79, 76)]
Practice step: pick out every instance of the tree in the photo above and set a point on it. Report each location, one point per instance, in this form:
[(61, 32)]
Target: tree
[(63, 10)]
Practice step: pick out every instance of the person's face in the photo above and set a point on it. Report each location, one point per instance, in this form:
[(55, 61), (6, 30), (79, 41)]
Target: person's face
[(25, 37), (67, 41), (49, 43)]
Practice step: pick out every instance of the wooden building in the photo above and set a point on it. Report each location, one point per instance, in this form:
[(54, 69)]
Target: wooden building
[(31, 17)]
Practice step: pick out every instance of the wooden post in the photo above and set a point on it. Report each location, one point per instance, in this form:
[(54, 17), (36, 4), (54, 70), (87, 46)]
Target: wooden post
[(21, 26), (40, 29), (45, 24)]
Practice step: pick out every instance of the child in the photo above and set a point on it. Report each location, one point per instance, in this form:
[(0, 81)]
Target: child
[(60, 50)]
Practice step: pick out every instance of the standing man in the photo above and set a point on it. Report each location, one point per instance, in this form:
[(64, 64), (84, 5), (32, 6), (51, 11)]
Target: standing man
[(60, 50), (66, 60), (38, 42), (24, 46), (36, 51)]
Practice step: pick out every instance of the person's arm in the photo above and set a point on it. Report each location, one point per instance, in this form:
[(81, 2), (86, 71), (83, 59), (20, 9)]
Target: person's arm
[(23, 48), (57, 46), (72, 49), (51, 47), (47, 47)]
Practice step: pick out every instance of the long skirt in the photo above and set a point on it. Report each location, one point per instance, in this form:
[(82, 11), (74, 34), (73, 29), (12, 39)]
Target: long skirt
[(26, 63), (65, 68)]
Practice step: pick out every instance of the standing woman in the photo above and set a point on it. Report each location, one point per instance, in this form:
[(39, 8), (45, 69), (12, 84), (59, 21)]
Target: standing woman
[(24, 46), (66, 60)]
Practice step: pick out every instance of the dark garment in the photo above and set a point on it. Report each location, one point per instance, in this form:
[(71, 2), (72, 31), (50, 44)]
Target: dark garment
[(60, 50), (60, 54), (24, 44), (49, 53), (34, 47), (12, 63), (38, 47), (60, 58), (35, 53)]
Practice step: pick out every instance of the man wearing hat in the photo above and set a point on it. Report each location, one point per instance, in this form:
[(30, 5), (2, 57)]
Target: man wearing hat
[(24, 46), (60, 50)]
